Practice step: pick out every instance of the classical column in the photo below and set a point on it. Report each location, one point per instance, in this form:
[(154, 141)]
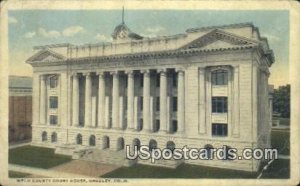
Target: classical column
[(236, 105), (130, 98), (75, 106), (163, 100), (36, 102), (146, 101), (43, 97), (88, 100), (180, 101), (106, 113), (121, 112), (101, 100), (135, 113), (115, 101), (202, 101)]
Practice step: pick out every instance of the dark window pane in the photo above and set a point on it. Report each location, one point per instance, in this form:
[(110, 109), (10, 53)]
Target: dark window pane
[(219, 77), (53, 102), (219, 129)]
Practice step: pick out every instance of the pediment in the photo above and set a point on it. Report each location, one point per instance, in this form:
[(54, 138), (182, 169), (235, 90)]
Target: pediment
[(218, 39), (46, 56)]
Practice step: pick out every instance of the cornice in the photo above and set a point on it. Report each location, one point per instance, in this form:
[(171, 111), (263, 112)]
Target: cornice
[(141, 56)]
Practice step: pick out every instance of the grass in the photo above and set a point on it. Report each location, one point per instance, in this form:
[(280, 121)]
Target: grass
[(280, 139), (279, 169), (13, 174), (182, 171), (39, 157)]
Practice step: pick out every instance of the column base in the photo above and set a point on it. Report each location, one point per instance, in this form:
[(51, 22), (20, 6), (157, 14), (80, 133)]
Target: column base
[(147, 131), (162, 132)]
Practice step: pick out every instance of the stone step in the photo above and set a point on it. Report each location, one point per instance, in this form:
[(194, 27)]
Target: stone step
[(107, 156), (162, 163)]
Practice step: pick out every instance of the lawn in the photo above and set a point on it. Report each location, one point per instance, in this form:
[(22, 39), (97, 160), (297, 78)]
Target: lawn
[(182, 171), (278, 169), (39, 157), (280, 139), (13, 174)]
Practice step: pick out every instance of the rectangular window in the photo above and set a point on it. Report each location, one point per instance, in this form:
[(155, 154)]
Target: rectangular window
[(219, 129), (142, 81), (157, 103), (53, 102), (174, 104), (53, 119), (219, 105), (174, 78), (219, 77), (53, 81), (141, 103), (157, 80)]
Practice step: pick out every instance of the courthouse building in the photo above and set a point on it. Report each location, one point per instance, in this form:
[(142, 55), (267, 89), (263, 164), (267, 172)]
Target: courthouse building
[(205, 88)]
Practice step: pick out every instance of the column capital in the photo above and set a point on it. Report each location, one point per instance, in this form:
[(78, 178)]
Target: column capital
[(74, 74), (145, 71), (114, 73), (129, 72), (87, 74), (162, 71), (100, 73), (43, 76), (179, 70)]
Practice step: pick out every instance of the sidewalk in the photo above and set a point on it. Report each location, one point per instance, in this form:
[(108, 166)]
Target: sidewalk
[(19, 144), (44, 172)]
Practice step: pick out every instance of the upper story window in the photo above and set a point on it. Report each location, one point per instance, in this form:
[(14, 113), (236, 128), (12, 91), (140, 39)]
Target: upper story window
[(53, 119), (219, 77), (53, 81), (53, 102), (219, 105)]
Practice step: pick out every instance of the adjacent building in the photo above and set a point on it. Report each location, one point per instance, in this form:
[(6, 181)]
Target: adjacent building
[(205, 88), (20, 108)]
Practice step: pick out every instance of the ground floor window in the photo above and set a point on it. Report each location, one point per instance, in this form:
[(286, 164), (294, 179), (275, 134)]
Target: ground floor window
[(44, 136), (54, 137), (92, 141), (219, 129), (79, 139)]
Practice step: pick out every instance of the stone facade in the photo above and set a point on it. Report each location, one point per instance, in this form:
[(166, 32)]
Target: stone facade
[(206, 87)]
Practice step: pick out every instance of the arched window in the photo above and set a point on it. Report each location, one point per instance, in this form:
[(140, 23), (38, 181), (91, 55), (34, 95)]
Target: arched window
[(219, 77), (120, 143), (171, 145), (209, 149), (152, 144), (92, 140), (105, 142), (79, 139), (137, 143), (44, 136), (53, 137)]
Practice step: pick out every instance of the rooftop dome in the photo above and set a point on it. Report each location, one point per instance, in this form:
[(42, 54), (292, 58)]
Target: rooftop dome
[(122, 32)]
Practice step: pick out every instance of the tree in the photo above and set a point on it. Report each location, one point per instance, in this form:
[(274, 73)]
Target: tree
[(281, 100)]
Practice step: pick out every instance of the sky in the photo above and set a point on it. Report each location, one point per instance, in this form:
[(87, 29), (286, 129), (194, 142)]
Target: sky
[(29, 28)]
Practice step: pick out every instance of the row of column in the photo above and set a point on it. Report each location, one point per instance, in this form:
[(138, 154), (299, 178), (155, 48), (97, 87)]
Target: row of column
[(103, 102)]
